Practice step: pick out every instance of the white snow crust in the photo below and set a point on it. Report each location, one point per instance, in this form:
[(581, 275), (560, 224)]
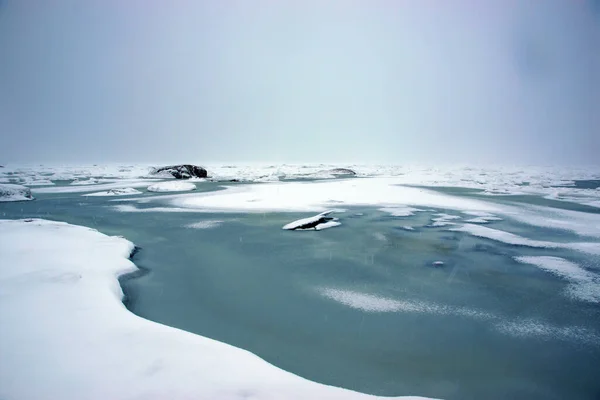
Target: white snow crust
[(172, 186), (11, 192)]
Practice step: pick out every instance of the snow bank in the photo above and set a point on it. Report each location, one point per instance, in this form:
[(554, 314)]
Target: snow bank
[(584, 285), (11, 192), (172, 186), (516, 240), (66, 334), (115, 192)]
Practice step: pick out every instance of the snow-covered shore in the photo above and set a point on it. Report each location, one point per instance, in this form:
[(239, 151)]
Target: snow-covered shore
[(67, 335)]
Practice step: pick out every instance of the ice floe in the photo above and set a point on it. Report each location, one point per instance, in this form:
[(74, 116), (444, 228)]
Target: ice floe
[(11, 192), (317, 222), (172, 186), (67, 335)]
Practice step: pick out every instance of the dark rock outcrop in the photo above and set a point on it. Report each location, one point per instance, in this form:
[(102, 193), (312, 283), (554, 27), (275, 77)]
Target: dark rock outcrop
[(341, 171), (183, 171)]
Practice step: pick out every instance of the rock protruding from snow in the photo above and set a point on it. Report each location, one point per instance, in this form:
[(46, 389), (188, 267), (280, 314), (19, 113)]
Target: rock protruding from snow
[(341, 171), (172, 186), (317, 223), (11, 192), (184, 171)]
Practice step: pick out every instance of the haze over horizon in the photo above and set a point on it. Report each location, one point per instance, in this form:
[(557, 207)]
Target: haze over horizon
[(498, 81)]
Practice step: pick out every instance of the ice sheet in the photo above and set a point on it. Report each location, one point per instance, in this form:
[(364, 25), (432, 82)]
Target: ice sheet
[(318, 196), (132, 183)]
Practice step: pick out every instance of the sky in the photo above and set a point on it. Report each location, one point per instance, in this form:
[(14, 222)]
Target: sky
[(356, 81)]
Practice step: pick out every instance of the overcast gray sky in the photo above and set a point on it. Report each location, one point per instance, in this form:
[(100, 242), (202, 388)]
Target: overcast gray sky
[(506, 81)]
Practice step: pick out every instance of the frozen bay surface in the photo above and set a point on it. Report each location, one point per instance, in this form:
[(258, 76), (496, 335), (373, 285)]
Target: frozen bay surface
[(510, 312)]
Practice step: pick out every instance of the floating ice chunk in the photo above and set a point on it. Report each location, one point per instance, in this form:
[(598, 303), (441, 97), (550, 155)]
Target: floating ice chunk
[(172, 186), (115, 192), (317, 222), (328, 224), (11, 192), (408, 228), (61, 301)]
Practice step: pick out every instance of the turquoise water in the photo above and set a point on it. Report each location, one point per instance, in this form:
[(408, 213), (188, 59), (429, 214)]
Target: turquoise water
[(463, 331)]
